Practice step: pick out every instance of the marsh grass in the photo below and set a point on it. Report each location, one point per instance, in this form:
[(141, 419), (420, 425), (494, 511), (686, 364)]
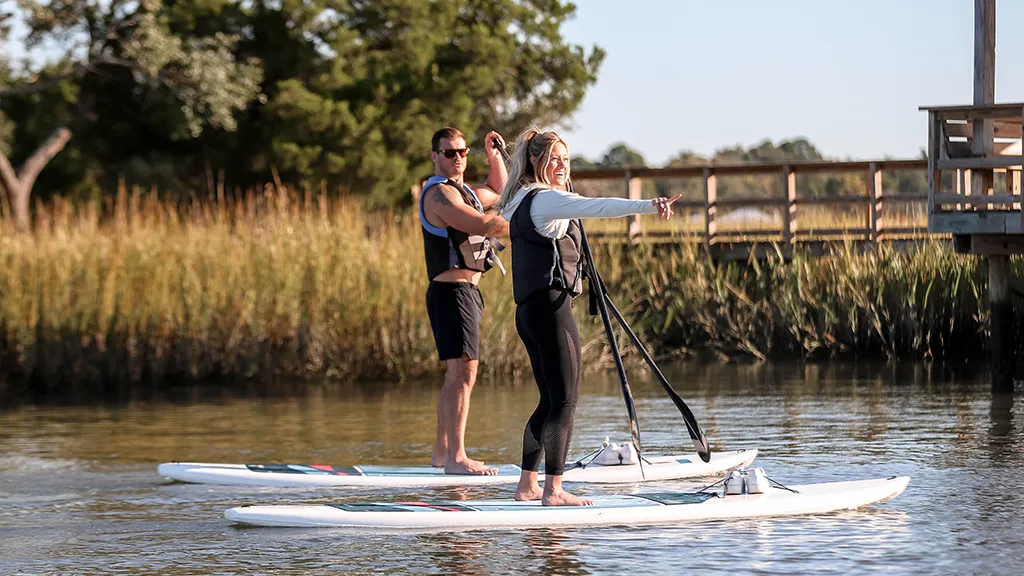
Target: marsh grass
[(287, 284)]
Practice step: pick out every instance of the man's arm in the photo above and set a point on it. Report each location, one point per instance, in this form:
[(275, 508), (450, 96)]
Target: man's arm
[(445, 203), (490, 192)]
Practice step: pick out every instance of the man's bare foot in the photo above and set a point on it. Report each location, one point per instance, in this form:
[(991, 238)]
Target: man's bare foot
[(438, 461), (563, 498), (525, 494), (469, 466)]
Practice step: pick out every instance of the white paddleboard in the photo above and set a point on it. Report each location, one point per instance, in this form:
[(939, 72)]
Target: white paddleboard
[(294, 475), (660, 507)]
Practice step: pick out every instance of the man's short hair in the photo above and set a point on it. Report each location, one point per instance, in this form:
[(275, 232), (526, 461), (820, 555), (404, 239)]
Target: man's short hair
[(449, 133)]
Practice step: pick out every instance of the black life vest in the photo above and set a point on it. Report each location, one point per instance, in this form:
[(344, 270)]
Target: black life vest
[(447, 248), (539, 262)]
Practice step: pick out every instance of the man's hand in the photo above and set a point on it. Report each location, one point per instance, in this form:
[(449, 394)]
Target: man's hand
[(490, 193), (494, 153)]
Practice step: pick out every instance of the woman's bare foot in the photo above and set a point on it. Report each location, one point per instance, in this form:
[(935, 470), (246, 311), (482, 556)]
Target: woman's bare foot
[(469, 466), (528, 493), (529, 486), (563, 498)]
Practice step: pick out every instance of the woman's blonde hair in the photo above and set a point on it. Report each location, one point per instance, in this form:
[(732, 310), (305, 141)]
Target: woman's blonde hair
[(532, 143)]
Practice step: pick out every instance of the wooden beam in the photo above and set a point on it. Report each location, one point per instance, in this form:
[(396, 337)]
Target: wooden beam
[(966, 130), (874, 186), (817, 232), (901, 197), (634, 190), (697, 171), (933, 173), (789, 214), (943, 199), (710, 207), (984, 91), (1003, 341), (839, 200), (750, 202), (979, 164), (1008, 110), (984, 53), (997, 244)]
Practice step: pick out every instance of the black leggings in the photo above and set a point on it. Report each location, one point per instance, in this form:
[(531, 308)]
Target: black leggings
[(546, 326)]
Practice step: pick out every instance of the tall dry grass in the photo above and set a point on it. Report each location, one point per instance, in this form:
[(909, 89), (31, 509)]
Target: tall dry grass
[(290, 284)]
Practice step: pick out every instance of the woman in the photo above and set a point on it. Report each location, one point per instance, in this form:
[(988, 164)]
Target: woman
[(547, 273)]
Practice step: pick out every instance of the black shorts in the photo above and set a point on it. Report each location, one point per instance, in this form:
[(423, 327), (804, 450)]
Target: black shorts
[(454, 309)]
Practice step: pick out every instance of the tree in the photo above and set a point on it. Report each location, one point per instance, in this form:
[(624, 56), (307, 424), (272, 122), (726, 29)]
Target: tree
[(348, 94), (622, 156), (190, 82), (690, 188), (387, 73)]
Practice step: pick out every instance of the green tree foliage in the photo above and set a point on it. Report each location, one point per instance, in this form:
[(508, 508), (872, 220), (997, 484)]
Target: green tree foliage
[(346, 92), (128, 84), (619, 155), (622, 156), (387, 73)]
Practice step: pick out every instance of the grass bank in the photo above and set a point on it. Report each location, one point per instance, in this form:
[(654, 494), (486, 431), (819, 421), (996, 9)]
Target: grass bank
[(290, 285)]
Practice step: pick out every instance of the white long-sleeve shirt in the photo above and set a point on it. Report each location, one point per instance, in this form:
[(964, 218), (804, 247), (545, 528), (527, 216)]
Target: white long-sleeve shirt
[(552, 209)]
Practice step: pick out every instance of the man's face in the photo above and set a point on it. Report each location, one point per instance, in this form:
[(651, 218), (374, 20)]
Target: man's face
[(455, 165)]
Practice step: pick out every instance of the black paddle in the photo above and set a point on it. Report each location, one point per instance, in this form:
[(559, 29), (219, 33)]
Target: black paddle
[(700, 442), (602, 305)]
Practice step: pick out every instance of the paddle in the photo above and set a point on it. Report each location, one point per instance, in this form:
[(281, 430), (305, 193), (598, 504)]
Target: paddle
[(602, 305), (700, 442)]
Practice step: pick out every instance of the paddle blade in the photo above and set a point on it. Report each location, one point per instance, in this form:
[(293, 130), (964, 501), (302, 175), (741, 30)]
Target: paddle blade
[(700, 442)]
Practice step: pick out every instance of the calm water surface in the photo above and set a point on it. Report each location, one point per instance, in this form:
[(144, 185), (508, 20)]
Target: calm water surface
[(79, 492)]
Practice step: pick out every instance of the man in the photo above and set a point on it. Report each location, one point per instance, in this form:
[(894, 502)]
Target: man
[(457, 241)]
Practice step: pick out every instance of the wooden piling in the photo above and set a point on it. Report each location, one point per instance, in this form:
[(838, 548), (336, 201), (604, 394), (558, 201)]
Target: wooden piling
[(1002, 347)]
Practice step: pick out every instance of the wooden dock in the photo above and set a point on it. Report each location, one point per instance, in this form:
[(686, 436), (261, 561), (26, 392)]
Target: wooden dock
[(971, 148), (722, 241)]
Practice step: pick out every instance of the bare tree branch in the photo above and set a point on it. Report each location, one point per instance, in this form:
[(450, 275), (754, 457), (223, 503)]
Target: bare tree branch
[(34, 165), (8, 176), (19, 186)]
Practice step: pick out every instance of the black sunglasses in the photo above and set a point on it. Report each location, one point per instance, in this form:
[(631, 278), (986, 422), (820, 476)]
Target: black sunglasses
[(451, 152)]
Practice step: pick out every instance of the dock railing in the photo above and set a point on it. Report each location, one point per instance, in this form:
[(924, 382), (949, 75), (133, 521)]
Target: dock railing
[(789, 216), (974, 170)]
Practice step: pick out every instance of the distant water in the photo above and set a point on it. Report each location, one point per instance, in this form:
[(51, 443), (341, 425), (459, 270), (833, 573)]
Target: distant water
[(79, 491)]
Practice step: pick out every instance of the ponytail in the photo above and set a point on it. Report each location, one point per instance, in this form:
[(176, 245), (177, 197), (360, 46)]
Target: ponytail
[(522, 172)]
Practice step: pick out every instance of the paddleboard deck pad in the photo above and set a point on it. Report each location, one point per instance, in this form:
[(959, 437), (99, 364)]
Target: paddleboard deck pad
[(296, 475), (653, 508)]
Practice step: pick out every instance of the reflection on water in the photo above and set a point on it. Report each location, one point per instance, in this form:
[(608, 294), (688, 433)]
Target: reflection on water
[(79, 493)]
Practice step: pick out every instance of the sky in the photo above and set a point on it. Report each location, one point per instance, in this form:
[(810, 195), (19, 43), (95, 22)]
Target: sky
[(847, 75)]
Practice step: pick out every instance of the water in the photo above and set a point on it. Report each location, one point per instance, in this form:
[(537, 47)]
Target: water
[(79, 493)]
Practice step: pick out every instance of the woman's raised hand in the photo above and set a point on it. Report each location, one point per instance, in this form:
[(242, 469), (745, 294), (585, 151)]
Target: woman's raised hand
[(664, 205)]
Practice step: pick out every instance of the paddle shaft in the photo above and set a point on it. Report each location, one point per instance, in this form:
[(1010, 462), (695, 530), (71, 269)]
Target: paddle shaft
[(598, 287), (700, 442)]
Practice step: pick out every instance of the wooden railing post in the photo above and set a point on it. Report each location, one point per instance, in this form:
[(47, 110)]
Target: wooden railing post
[(933, 174), (634, 189), (789, 215), (874, 183), (1013, 182), (710, 207)]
